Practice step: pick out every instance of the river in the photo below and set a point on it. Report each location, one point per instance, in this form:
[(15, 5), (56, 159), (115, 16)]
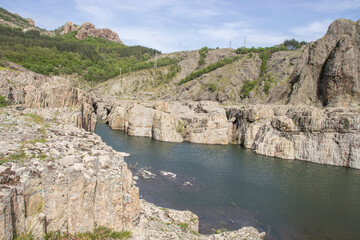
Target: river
[(229, 187)]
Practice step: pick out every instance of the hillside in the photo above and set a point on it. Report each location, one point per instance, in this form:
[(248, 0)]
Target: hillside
[(321, 73), (85, 52)]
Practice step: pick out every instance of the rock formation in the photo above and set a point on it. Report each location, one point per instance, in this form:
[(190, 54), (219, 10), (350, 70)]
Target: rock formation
[(31, 22), (327, 72), (68, 28), (66, 172), (88, 29), (325, 136), (39, 91)]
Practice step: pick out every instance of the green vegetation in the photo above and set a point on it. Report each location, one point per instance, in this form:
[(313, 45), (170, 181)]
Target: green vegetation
[(203, 51), (213, 87), (10, 17), (99, 233), (161, 78), (180, 127), (293, 44), (18, 156), (3, 102), (24, 236), (247, 87), (218, 231), (268, 82), (35, 118), (93, 59), (209, 68), (183, 226), (264, 54)]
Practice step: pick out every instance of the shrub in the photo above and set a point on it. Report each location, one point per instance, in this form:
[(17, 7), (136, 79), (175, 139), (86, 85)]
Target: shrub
[(247, 87), (3, 102), (209, 68)]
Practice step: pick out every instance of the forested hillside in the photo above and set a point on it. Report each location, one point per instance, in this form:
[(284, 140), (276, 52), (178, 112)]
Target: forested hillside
[(94, 59)]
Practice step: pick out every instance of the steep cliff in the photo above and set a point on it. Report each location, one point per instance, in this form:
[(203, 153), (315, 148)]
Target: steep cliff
[(327, 72)]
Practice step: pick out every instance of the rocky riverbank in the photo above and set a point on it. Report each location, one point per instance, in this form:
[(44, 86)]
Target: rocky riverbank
[(325, 136), (53, 172)]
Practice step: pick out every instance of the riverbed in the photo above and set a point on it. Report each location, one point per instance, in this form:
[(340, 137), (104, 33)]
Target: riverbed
[(229, 187)]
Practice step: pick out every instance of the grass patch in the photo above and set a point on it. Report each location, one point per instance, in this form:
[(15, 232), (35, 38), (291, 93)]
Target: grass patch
[(99, 233), (36, 118), (183, 226), (37, 140), (18, 156)]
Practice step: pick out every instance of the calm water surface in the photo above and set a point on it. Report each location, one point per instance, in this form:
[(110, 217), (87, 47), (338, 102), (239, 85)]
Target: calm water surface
[(232, 187)]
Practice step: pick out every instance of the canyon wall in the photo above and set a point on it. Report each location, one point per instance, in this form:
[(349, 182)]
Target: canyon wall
[(325, 136)]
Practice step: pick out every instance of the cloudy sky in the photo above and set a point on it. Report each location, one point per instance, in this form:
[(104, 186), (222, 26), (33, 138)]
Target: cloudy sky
[(176, 25)]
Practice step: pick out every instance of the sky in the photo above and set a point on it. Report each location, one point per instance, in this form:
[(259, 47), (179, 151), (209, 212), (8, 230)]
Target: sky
[(178, 25)]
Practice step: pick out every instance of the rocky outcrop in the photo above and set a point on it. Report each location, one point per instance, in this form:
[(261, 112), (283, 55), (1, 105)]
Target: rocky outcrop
[(31, 22), (327, 72), (68, 28), (88, 29), (53, 174), (39, 91), (324, 136), (164, 223)]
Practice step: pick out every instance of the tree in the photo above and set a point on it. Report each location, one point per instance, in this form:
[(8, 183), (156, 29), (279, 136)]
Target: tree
[(291, 44)]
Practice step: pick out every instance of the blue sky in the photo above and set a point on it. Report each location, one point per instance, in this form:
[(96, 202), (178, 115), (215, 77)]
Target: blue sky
[(176, 25)]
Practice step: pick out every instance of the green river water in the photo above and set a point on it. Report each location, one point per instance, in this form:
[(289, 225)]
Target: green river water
[(229, 187)]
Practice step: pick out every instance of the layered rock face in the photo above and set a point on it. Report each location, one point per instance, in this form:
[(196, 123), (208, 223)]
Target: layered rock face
[(39, 91), (330, 136), (172, 122), (68, 180), (325, 136)]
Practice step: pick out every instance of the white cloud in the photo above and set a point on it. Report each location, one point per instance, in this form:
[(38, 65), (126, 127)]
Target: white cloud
[(312, 31), (331, 6)]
